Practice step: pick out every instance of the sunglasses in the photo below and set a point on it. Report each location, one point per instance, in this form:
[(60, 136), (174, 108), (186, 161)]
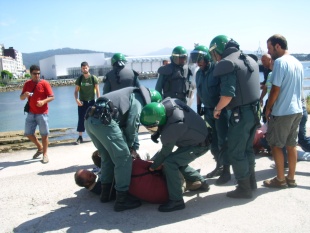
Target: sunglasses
[(35, 73)]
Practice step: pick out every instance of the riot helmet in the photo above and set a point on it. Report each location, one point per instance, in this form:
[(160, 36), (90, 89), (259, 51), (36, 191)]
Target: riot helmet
[(153, 115), (218, 45), (118, 59), (179, 56), (200, 52), (155, 95)]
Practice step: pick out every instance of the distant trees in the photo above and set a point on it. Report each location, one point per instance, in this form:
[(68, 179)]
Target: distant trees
[(6, 74)]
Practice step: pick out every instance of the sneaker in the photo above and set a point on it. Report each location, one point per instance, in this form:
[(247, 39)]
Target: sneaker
[(290, 183), (275, 183), (79, 141), (45, 159)]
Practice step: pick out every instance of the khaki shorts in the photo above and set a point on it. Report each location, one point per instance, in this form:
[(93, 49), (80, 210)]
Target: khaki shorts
[(283, 130)]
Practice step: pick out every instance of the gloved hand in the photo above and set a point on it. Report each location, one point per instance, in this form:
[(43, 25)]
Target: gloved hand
[(200, 110), (155, 136)]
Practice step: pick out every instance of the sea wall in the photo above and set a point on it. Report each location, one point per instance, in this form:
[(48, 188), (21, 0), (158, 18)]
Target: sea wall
[(61, 82)]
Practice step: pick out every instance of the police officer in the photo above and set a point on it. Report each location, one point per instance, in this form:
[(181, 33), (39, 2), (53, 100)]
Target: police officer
[(112, 124), (173, 79), (120, 76), (177, 125), (208, 95), (240, 92)]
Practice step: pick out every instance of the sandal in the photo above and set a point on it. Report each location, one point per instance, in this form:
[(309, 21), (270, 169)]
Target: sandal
[(275, 183), (37, 154), (290, 183)]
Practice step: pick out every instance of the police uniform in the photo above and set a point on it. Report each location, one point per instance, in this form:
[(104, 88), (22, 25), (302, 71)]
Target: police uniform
[(120, 77), (173, 81), (185, 129), (208, 90), (112, 124), (239, 76)]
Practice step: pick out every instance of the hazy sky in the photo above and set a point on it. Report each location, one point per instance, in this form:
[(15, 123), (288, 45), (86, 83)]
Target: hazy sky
[(138, 27)]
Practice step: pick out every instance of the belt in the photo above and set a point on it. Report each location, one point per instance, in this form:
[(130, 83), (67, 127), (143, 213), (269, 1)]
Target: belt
[(87, 101)]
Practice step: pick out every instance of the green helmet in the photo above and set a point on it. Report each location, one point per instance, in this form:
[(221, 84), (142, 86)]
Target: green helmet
[(153, 115), (218, 44), (155, 96), (120, 58), (179, 55), (200, 52)]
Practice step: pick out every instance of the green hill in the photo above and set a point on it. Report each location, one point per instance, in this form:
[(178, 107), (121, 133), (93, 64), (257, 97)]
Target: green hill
[(34, 58)]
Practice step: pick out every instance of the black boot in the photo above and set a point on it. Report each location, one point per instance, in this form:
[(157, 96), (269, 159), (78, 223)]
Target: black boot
[(108, 193), (172, 206), (243, 190), (253, 180), (216, 172), (124, 201), (225, 177)]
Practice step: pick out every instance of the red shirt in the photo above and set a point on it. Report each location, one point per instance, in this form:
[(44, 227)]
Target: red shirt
[(41, 92)]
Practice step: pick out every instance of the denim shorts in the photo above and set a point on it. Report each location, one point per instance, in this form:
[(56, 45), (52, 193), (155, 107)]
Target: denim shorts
[(283, 130), (32, 120)]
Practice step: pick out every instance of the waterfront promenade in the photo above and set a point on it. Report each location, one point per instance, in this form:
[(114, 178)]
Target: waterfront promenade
[(38, 197)]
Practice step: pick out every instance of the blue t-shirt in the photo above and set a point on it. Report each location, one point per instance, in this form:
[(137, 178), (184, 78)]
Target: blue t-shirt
[(288, 75)]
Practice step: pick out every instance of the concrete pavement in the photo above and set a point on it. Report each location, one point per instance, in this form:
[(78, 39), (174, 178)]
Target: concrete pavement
[(38, 197)]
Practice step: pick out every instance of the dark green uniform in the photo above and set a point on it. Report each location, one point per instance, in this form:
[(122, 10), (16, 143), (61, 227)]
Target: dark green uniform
[(240, 80), (208, 90), (116, 135), (188, 131)]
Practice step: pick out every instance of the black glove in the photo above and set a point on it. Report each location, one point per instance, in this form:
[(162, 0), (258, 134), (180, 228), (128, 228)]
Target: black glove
[(155, 136), (200, 110)]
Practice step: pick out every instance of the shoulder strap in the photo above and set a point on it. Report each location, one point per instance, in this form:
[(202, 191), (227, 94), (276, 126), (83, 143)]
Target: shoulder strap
[(80, 80)]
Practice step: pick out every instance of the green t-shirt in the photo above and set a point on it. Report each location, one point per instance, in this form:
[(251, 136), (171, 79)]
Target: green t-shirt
[(87, 87)]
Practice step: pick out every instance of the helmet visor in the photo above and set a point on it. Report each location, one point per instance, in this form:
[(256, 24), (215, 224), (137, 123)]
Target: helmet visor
[(179, 59), (152, 129), (196, 56)]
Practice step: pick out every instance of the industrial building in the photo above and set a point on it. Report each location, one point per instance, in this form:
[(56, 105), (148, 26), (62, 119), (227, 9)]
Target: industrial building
[(68, 66)]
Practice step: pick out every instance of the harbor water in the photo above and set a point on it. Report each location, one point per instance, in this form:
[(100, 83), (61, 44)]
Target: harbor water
[(63, 110)]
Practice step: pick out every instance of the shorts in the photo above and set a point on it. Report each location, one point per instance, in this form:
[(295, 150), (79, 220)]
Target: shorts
[(283, 130), (32, 120)]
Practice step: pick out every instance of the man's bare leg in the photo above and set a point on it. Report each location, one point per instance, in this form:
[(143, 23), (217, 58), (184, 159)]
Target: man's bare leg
[(292, 161), (279, 161)]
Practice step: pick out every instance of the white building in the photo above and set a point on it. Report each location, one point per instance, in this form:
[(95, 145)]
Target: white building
[(68, 66), (9, 64), (12, 61)]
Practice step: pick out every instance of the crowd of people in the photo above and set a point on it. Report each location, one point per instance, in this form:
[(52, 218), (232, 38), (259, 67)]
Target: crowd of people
[(229, 112)]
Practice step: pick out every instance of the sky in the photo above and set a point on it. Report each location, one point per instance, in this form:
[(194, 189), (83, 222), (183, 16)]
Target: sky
[(140, 27)]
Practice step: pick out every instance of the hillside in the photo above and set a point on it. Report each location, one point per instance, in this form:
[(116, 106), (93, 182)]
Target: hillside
[(34, 58)]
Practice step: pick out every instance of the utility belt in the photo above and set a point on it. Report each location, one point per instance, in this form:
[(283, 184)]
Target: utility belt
[(255, 107), (104, 111)]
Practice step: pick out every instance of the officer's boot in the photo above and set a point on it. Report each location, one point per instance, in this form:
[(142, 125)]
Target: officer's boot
[(124, 201), (225, 177), (216, 172), (243, 190), (253, 180), (108, 193)]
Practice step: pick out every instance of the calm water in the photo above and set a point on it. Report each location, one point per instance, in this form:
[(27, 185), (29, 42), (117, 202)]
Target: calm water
[(63, 110)]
